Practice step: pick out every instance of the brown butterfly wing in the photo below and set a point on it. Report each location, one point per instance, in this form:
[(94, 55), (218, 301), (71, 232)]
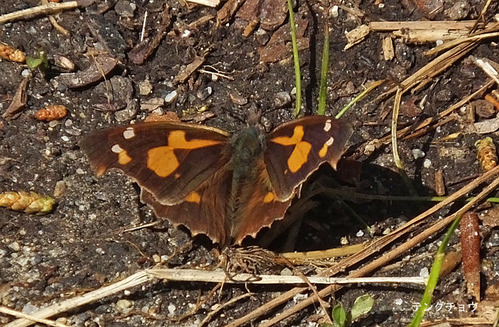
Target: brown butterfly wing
[(168, 160), (202, 211), (296, 149), (262, 209)]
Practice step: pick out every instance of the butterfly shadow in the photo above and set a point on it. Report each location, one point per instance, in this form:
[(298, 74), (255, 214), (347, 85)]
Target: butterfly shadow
[(328, 212)]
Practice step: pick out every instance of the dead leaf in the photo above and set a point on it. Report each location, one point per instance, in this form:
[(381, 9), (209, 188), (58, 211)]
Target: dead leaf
[(101, 66), (18, 102)]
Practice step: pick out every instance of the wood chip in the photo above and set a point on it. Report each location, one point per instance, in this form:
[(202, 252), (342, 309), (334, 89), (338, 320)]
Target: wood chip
[(439, 183), (187, 71), (470, 247), (356, 35), (388, 51)]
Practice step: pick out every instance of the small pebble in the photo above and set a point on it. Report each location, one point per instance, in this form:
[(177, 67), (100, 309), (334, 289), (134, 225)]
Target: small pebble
[(124, 305), (424, 272), (204, 93), (282, 99), (334, 11), (427, 163), (14, 246), (170, 97), (171, 309), (286, 272), (145, 87), (360, 233), (417, 153), (156, 258)]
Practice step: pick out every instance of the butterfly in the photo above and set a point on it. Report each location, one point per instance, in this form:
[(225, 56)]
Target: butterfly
[(225, 187)]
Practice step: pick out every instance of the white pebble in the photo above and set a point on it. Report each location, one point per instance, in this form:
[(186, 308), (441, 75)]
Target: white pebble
[(427, 163), (170, 97), (417, 153)]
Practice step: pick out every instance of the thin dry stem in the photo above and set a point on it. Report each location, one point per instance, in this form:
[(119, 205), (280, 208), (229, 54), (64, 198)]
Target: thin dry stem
[(46, 9)]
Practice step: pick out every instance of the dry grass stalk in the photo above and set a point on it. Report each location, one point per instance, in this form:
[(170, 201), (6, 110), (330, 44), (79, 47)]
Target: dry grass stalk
[(149, 275), (466, 25), (46, 9)]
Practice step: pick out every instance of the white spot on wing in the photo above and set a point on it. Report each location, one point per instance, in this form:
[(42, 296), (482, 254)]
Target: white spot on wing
[(116, 148), (330, 141), (327, 125), (129, 133)]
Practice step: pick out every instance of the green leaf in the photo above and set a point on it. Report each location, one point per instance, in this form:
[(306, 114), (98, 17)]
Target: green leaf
[(40, 62), (339, 315), (362, 305)]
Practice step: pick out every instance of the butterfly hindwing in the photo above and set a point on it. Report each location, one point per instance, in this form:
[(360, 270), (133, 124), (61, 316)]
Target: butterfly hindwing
[(262, 209), (202, 211), (297, 148), (169, 160)]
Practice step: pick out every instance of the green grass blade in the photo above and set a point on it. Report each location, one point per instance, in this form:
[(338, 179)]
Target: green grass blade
[(324, 71), (434, 274), (296, 59)]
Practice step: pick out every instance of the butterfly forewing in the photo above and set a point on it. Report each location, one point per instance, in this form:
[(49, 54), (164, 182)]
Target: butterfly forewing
[(169, 160), (296, 149)]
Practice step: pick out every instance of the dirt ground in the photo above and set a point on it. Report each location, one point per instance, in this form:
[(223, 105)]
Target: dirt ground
[(86, 242)]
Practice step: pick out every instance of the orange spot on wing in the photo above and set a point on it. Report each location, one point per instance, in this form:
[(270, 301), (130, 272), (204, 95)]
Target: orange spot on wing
[(162, 159), (299, 156), (177, 140), (300, 153), (193, 197), (269, 197), (323, 151), (293, 140), (123, 157)]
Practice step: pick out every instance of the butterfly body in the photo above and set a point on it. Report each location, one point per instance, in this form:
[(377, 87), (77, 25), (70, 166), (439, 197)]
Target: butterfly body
[(227, 188)]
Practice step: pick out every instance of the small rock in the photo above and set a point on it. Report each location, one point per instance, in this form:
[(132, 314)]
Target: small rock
[(14, 246), (459, 10), (145, 87), (171, 309), (64, 63), (427, 163), (286, 272), (124, 305), (59, 189), (417, 153), (125, 9), (204, 93), (282, 99), (170, 97), (237, 98), (483, 108), (29, 308)]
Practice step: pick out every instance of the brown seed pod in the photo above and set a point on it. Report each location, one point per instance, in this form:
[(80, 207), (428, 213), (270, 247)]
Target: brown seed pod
[(51, 112), (486, 153), (27, 202), (9, 53)]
